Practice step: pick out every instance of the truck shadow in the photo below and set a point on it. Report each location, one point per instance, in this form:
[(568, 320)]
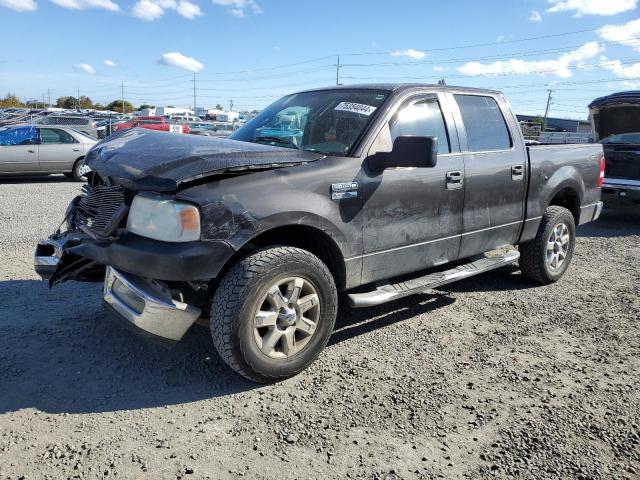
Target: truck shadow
[(61, 353), (618, 221)]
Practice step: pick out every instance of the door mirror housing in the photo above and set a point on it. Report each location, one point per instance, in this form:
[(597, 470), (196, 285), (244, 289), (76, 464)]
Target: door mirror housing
[(409, 151)]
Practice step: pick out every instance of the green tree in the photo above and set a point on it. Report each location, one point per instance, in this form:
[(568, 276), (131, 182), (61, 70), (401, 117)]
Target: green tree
[(85, 102), (99, 106), (116, 106), (145, 105), (34, 104), (10, 101), (538, 119), (67, 102), (219, 107)]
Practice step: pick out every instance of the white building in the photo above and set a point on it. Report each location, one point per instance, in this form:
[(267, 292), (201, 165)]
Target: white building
[(165, 111), (228, 117)]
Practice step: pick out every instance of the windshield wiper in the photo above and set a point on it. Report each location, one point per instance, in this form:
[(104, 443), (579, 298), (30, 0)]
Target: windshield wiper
[(281, 140)]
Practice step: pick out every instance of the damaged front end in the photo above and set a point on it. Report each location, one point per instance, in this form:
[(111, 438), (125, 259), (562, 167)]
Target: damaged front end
[(94, 224), (95, 216)]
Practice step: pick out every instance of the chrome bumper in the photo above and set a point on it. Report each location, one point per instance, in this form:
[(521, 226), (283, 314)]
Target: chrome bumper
[(47, 255), (147, 306), (598, 211)]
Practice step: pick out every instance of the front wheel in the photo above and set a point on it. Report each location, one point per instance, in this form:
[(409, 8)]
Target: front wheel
[(273, 313), (546, 258), (78, 172)]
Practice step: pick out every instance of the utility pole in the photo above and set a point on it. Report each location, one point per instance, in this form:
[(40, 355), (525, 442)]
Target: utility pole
[(122, 94), (194, 93), (49, 95), (231, 105), (546, 112), (78, 99), (338, 71)]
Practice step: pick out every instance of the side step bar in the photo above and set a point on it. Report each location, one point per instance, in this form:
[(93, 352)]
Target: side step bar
[(389, 292)]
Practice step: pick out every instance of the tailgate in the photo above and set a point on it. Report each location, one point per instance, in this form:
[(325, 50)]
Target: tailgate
[(623, 161)]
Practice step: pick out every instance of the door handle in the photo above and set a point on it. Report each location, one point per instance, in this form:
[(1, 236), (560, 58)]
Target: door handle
[(31, 151), (455, 180), (76, 149), (517, 172)]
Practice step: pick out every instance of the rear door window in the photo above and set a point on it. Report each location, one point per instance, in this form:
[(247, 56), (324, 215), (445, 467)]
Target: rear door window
[(483, 121), (54, 135), (19, 136)]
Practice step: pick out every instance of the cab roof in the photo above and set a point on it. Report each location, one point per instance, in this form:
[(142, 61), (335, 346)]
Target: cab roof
[(399, 87)]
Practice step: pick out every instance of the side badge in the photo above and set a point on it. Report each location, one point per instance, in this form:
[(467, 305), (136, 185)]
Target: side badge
[(342, 191)]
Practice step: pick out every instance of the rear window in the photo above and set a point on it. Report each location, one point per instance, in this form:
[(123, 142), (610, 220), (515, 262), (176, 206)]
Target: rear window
[(486, 128), (65, 121)]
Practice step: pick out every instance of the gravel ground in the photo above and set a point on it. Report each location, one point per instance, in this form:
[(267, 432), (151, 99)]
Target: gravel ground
[(490, 378)]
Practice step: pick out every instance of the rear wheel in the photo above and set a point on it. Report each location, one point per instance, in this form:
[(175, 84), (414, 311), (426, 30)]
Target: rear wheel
[(546, 258), (273, 313)]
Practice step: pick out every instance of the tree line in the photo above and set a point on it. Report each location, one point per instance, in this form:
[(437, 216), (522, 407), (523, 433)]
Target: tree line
[(11, 100)]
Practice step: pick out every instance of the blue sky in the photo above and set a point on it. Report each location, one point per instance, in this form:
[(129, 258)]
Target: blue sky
[(253, 51)]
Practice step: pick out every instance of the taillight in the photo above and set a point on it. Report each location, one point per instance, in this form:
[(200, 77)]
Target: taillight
[(603, 164)]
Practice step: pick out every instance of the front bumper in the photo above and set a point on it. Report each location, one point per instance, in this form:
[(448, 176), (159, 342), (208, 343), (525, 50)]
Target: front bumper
[(133, 254), (147, 306)]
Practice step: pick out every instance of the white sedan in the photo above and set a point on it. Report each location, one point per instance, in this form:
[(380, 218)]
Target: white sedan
[(33, 150)]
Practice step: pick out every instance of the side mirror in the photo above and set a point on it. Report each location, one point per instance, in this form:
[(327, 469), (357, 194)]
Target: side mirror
[(409, 151)]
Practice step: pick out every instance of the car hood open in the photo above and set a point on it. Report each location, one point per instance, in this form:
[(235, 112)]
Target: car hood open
[(142, 159)]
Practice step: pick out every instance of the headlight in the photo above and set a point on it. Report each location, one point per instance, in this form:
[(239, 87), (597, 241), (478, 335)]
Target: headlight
[(164, 219)]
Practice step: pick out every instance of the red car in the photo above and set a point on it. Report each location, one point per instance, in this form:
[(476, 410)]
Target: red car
[(153, 123)]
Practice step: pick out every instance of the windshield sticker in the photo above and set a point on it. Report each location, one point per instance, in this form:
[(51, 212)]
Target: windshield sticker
[(355, 108)]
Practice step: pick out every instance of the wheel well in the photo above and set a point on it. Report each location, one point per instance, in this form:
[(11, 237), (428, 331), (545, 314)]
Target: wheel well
[(307, 238), (569, 199)]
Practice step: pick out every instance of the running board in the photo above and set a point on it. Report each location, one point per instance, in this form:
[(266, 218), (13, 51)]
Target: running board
[(389, 292)]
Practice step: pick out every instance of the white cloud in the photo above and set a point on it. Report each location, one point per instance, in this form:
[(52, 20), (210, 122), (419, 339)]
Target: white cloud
[(411, 53), (592, 7), (240, 8), (84, 4), (19, 5), (109, 63), (438, 69), (147, 10), (535, 16), (626, 34), (154, 9), (176, 59), (500, 38), (619, 68), (189, 10), (86, 68), (559, 67)]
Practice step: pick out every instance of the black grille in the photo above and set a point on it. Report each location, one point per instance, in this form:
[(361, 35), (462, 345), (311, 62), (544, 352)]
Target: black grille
[(97, 205)]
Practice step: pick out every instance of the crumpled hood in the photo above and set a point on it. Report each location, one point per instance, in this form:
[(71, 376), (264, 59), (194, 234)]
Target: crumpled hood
[(142, 159)]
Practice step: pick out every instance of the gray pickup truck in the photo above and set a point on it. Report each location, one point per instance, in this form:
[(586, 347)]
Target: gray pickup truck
[(377, 191)]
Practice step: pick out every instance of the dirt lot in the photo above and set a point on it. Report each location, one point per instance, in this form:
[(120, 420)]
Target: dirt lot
[(490, 378)]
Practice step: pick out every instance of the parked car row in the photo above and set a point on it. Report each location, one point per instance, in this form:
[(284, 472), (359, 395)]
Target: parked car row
[(43, 150)]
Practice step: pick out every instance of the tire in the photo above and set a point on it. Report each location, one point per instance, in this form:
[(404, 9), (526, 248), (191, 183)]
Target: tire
[(541, 262), (245, 298), (75, 173)]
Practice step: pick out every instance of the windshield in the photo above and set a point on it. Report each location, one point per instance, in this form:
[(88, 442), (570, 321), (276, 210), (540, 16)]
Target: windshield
[(327, 121), (623, 138)]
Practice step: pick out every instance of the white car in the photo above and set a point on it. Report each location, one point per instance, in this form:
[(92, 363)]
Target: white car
[(33, 150)]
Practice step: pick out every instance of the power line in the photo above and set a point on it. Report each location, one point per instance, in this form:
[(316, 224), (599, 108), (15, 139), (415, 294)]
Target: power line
[(486, 44)]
